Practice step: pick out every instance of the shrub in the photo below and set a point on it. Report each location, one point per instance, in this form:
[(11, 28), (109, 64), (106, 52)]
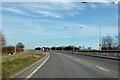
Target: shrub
[(11, 49)]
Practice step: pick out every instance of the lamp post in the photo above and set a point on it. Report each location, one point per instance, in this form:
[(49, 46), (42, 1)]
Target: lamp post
[(100, 16), (15, 41), (28, 43), (73, 28)]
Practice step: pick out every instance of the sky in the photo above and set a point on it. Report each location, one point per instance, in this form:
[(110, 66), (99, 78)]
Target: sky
[(42, 23)]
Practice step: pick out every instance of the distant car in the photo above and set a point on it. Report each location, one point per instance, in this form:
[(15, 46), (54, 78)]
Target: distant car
[(45, 50)]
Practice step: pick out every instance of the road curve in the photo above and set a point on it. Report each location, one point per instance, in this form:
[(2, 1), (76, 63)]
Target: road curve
[(62, 65)]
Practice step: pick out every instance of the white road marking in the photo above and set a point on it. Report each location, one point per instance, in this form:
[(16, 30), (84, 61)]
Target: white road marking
[(77, 59), (102, 68), (26, 68), (69, 56), (58, 53), (37, 69), (64, 54)]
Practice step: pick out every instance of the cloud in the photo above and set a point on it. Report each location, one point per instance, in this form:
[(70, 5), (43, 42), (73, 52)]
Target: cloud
[(52, 8), (47, 9), (59, 0), (93, 6), (71, 6), (37, 8), (13, 10), (47, 13), (17, 11), (22, 12)]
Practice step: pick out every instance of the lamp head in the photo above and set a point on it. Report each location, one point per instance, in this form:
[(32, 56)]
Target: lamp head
[(84, 2), (115, 2)]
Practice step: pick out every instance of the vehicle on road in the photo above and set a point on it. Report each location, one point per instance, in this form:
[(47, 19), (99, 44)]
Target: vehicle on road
[(45, 50)]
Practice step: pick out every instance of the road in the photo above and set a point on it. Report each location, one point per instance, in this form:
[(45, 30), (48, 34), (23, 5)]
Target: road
[(62, 65)]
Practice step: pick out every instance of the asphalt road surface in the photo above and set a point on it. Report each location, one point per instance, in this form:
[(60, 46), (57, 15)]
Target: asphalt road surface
[(62, 65)]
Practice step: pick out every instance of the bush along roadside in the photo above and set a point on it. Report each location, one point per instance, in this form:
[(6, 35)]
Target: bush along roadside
[(11, 66)]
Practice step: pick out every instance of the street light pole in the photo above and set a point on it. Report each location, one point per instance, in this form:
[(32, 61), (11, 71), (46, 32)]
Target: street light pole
[(73, 40), (100, 32), (73, 35), (15, 42), (62, 45), (100, 16)]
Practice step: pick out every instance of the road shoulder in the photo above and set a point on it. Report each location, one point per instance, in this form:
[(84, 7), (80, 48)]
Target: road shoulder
[(28, 70)]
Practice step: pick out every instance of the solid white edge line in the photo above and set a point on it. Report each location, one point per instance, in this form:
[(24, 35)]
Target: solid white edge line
[(77, 59), (69, 56), (28, 67), (102, 68), (29, 76)]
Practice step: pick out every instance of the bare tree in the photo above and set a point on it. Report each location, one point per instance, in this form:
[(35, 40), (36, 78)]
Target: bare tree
[(107, 41), (115, 43), (2, 39)]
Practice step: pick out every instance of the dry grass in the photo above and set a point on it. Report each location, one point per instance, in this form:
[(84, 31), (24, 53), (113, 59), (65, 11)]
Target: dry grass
[(10, 66), (5, 55)]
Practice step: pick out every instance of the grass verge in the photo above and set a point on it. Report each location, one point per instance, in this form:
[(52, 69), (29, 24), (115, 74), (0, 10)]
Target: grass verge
[(10, 66), (6, 55), (18, 53)]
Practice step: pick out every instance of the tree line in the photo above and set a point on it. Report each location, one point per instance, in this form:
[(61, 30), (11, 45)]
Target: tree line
[(108, 43)]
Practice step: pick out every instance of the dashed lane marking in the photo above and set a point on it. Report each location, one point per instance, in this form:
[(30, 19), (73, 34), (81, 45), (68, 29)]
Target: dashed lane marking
[(102, 68)]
